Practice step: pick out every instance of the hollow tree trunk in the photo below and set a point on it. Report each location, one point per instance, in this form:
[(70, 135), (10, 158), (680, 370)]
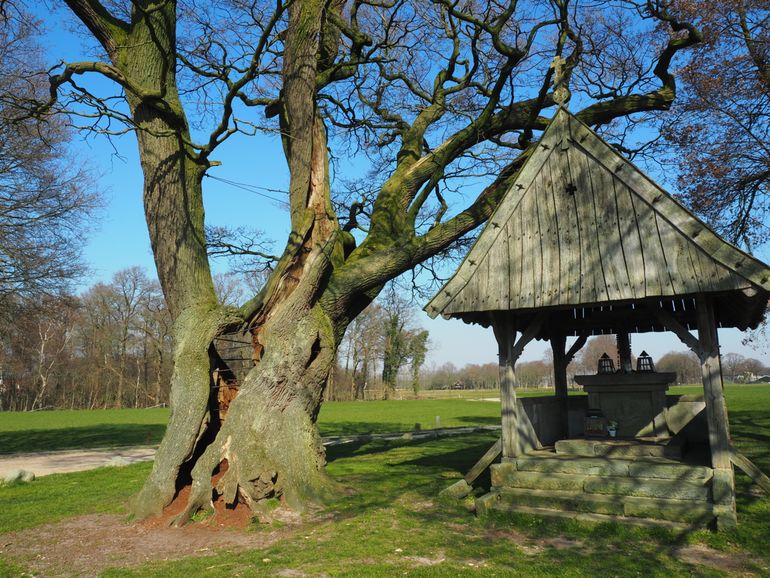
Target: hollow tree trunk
[(189, 402), (268, 445), (269, 442)]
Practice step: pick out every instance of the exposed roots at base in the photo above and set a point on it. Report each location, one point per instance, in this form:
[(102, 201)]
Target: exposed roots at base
[(259, 500)]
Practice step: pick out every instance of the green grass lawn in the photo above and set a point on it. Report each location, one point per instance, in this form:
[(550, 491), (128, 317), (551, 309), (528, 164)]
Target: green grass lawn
[(389, 521), (60, 430), (393, 525), (69, 429)]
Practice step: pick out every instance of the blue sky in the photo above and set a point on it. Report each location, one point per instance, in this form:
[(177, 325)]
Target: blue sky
[(119, 237)]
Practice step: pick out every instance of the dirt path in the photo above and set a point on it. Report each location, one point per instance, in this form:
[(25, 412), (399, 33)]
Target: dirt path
[(45, 463)]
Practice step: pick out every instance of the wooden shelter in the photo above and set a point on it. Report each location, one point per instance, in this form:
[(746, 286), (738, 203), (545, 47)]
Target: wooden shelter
[(585, 244)]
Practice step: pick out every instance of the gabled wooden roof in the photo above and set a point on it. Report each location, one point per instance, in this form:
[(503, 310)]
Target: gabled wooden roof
[(582, 226)]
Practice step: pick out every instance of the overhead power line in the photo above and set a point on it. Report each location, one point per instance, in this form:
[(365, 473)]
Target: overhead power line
[(254, 189)]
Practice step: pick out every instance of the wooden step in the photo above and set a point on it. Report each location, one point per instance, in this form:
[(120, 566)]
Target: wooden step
[(507, 475), (492, 501), (659, 448), (670, 471), (573, 465), (692, 512), (641, 468), (648, 488)]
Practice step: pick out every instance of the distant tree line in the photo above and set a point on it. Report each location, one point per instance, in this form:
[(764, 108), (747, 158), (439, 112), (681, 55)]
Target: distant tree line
[(111, 347), (539, 373), (107, 348)]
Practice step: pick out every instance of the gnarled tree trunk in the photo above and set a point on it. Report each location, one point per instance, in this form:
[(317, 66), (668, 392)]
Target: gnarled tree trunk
[(268, 445)]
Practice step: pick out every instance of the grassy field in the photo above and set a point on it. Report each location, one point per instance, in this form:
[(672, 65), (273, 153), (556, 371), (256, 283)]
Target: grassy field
[(388, 521), (60, 430), (99, 428)]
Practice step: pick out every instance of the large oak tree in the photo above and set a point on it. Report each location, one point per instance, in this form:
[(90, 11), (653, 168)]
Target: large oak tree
[(428, 91)]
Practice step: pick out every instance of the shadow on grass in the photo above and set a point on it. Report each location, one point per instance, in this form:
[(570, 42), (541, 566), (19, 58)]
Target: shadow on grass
[(409, 474), (343, 428), (95, 436), (404, 478), (751, 429), (134, 434), (463, 457), (380, 473), (348, 428), (478, 420)]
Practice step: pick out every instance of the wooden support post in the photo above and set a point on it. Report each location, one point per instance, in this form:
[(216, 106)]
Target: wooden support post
[(723, 483), (460, 489), (750, 469), (560, 362), (484, 462), (624, 352), (505, 333), (509, 352), (561, 359)]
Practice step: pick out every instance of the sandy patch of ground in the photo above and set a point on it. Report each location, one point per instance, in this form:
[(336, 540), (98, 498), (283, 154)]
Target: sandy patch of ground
[(438, 558), (87, 545), (532, 546), (700, 555)]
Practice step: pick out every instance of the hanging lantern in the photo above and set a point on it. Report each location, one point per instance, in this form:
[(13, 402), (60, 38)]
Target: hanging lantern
[(606, 365), (644, 363)]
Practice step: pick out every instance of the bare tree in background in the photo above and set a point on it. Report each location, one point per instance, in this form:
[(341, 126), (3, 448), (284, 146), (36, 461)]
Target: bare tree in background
[(720, 128), (684, 363), (362, 348), (587, 360), (46, 197), (110, 347)]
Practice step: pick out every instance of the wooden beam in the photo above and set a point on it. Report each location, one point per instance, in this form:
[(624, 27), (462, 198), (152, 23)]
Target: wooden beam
[(484, 462), (510, 350), (671, 323), (616, 320), (713, 386), (462, 488), (560, 362), (558, 347), (577, 346), (505, 333), (723, 482), (528, 335), (624, 351), (750, 469)]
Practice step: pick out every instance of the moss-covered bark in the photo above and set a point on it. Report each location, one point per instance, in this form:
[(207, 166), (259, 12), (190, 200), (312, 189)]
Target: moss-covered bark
[(269, 441), (193, 331)]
